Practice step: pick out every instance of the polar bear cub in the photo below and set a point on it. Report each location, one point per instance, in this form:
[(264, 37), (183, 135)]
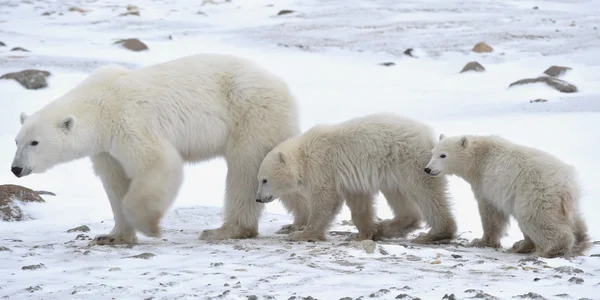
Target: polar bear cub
[(353, 161), (140, 126), (537, 189)]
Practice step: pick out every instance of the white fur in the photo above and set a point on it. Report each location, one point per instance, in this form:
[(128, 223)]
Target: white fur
[(507, 179), (353, 161), (140, 126)]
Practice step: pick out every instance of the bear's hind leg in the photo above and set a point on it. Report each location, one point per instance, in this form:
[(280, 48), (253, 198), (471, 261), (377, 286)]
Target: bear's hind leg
[(407, 215), (298, 207), (494, 224), (324, 206), (552, 238), (115, 184), (363, 216)]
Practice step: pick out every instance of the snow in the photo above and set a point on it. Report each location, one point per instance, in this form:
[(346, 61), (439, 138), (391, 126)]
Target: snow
[(329, 53)]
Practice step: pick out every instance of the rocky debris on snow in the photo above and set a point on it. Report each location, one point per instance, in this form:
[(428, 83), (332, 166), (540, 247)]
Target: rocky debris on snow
[(20, 49), (217, 264), (132, 7), (538, 101), (78, 9), (379, 293), (251, 297), (407, 296), (2, 248), (456, 256), (114, 269), (11, 196), (576, 280), (530, 295), (473, 66), (596, 242), (285, 12), (482, 47), (411, 257), (568, 270), (556, 71), (409, 52), (82, 228), (449, 297), (347, 223), (33, 289), (479, 294), (562, 295), (30, 79), (48, 13), (387, 64), (595, 255), (132, 44), (558, 84), (33, 267), (130, 13), (2, 44), (146, 255)]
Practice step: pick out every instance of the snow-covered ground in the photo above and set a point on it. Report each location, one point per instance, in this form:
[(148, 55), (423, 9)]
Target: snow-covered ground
[(329, 52)]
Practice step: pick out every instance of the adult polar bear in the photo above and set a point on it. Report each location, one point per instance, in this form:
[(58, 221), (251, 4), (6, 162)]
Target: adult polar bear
[(140, 126)]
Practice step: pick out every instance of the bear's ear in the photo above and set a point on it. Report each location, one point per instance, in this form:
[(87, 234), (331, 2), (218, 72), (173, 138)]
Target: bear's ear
[(23, 117), (442, 136), (68, 123), (282, 158), (464, 142)]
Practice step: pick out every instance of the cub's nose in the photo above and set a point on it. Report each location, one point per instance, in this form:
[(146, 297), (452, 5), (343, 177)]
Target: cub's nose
[(427, 170), (16, 170)]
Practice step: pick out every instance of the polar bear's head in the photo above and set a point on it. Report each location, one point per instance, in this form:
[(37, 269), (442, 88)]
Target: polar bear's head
[(447, 155), (42, 142), (277, 177)]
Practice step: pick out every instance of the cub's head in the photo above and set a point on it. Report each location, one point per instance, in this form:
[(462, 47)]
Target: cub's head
[(42, 142), (447, 155), (277, 176)]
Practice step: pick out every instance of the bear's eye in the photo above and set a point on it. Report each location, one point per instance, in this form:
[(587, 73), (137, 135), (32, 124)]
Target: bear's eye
[(443, 156), (34, 143), (264, 181)]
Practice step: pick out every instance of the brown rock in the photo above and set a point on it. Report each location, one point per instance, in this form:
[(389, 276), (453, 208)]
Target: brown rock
[(285, 12), (78, 9), (556, 71), (130, 13), (131, 7), (482, 47), (132, 44), (473, 66), (19, 49), (558, 84), (11, 196), (30, 79)]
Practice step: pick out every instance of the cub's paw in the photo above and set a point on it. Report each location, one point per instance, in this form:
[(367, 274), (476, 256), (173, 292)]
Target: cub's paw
[(523, 246)]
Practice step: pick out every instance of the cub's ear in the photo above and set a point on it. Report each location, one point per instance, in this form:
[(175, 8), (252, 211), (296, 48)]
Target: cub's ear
[(442, 136), (282, 158), (464, 142), (23, 117), (68, 123)]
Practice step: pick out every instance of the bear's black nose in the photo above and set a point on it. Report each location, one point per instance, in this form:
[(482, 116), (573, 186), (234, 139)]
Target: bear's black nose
[(16, 171), (427, 170)]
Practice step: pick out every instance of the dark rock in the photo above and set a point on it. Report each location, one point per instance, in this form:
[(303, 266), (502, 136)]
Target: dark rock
[(556, 71), (530, 295), (33, 289), (576, 280), (2, 248), (130, 13), (456, 256), (595, 255), (563, 295), (48, 13), (19, 49), (404, 296), (387, 64), (568, 270), (285, 12), (538, 101), (132, 44), (596, 242), (82, 228), (33, 267), (145, 255), (560, 85), (409, 52), (449, 297), (537, 279), (30, 79), (473, 66), (2, 44), (535, 7), (10, 196), (482, 47), (251, 297)]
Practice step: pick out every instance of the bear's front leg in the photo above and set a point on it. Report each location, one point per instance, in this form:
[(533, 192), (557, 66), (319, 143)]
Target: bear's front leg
[(115, 184), (323, 209), (494, 224), (298, 207)]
